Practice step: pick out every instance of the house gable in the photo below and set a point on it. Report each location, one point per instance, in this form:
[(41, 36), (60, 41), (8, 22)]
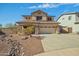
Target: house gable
[(39, 13)]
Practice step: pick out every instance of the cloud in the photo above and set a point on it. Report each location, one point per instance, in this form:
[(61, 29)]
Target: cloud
[(46, 5)]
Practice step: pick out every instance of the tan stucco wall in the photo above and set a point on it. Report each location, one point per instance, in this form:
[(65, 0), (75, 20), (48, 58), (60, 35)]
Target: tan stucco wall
[(44, 18), (34, 18)]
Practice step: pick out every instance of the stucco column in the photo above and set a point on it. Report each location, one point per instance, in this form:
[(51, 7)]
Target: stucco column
[(58, 30), (36, 30)]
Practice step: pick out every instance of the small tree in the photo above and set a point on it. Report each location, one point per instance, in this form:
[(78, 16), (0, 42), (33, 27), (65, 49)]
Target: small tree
[(29, 30)]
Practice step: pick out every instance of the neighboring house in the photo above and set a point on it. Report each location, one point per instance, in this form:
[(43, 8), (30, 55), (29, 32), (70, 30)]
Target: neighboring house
[(42, 22), (69, 22)]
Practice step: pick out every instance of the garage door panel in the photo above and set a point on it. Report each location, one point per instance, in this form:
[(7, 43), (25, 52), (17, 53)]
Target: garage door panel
[(47, 30)]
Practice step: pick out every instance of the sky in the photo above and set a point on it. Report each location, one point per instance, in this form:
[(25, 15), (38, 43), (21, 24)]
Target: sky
[(12, 12)]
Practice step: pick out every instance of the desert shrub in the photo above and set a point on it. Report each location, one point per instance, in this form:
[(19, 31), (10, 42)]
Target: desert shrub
[(29, 30)]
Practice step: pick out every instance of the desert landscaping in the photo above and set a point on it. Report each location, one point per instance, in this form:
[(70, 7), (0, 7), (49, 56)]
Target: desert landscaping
[(39, 45), (19, 45)]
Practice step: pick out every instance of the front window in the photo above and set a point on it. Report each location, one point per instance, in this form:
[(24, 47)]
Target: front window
[(49, 19), (38, 18), (69, 18)]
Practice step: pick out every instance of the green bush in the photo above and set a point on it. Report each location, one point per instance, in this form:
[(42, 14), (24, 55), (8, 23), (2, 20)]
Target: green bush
[(29, 30)]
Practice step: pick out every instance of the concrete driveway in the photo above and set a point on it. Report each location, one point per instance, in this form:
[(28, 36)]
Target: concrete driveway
[(60, 41)]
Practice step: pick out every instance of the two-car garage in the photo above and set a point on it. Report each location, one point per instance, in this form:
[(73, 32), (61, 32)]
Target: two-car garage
[(47, 30)]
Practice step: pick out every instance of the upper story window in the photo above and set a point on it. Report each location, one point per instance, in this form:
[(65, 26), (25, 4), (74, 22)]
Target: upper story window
[(28, 17), (77, 18), (69, 18), (49, 19), (78, 15), (38, 18)]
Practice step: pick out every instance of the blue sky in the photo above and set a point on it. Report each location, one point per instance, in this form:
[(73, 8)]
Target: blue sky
[(12, 12)]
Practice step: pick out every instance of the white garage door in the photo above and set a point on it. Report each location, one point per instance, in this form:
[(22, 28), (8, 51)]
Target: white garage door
[(47, 30)]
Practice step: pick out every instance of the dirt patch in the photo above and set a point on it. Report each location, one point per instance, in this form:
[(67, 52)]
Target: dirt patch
[(32, 46), (29, 46)]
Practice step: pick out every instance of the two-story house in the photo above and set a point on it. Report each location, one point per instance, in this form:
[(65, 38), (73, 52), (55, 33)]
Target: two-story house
[(42, 22), (69, 22)]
